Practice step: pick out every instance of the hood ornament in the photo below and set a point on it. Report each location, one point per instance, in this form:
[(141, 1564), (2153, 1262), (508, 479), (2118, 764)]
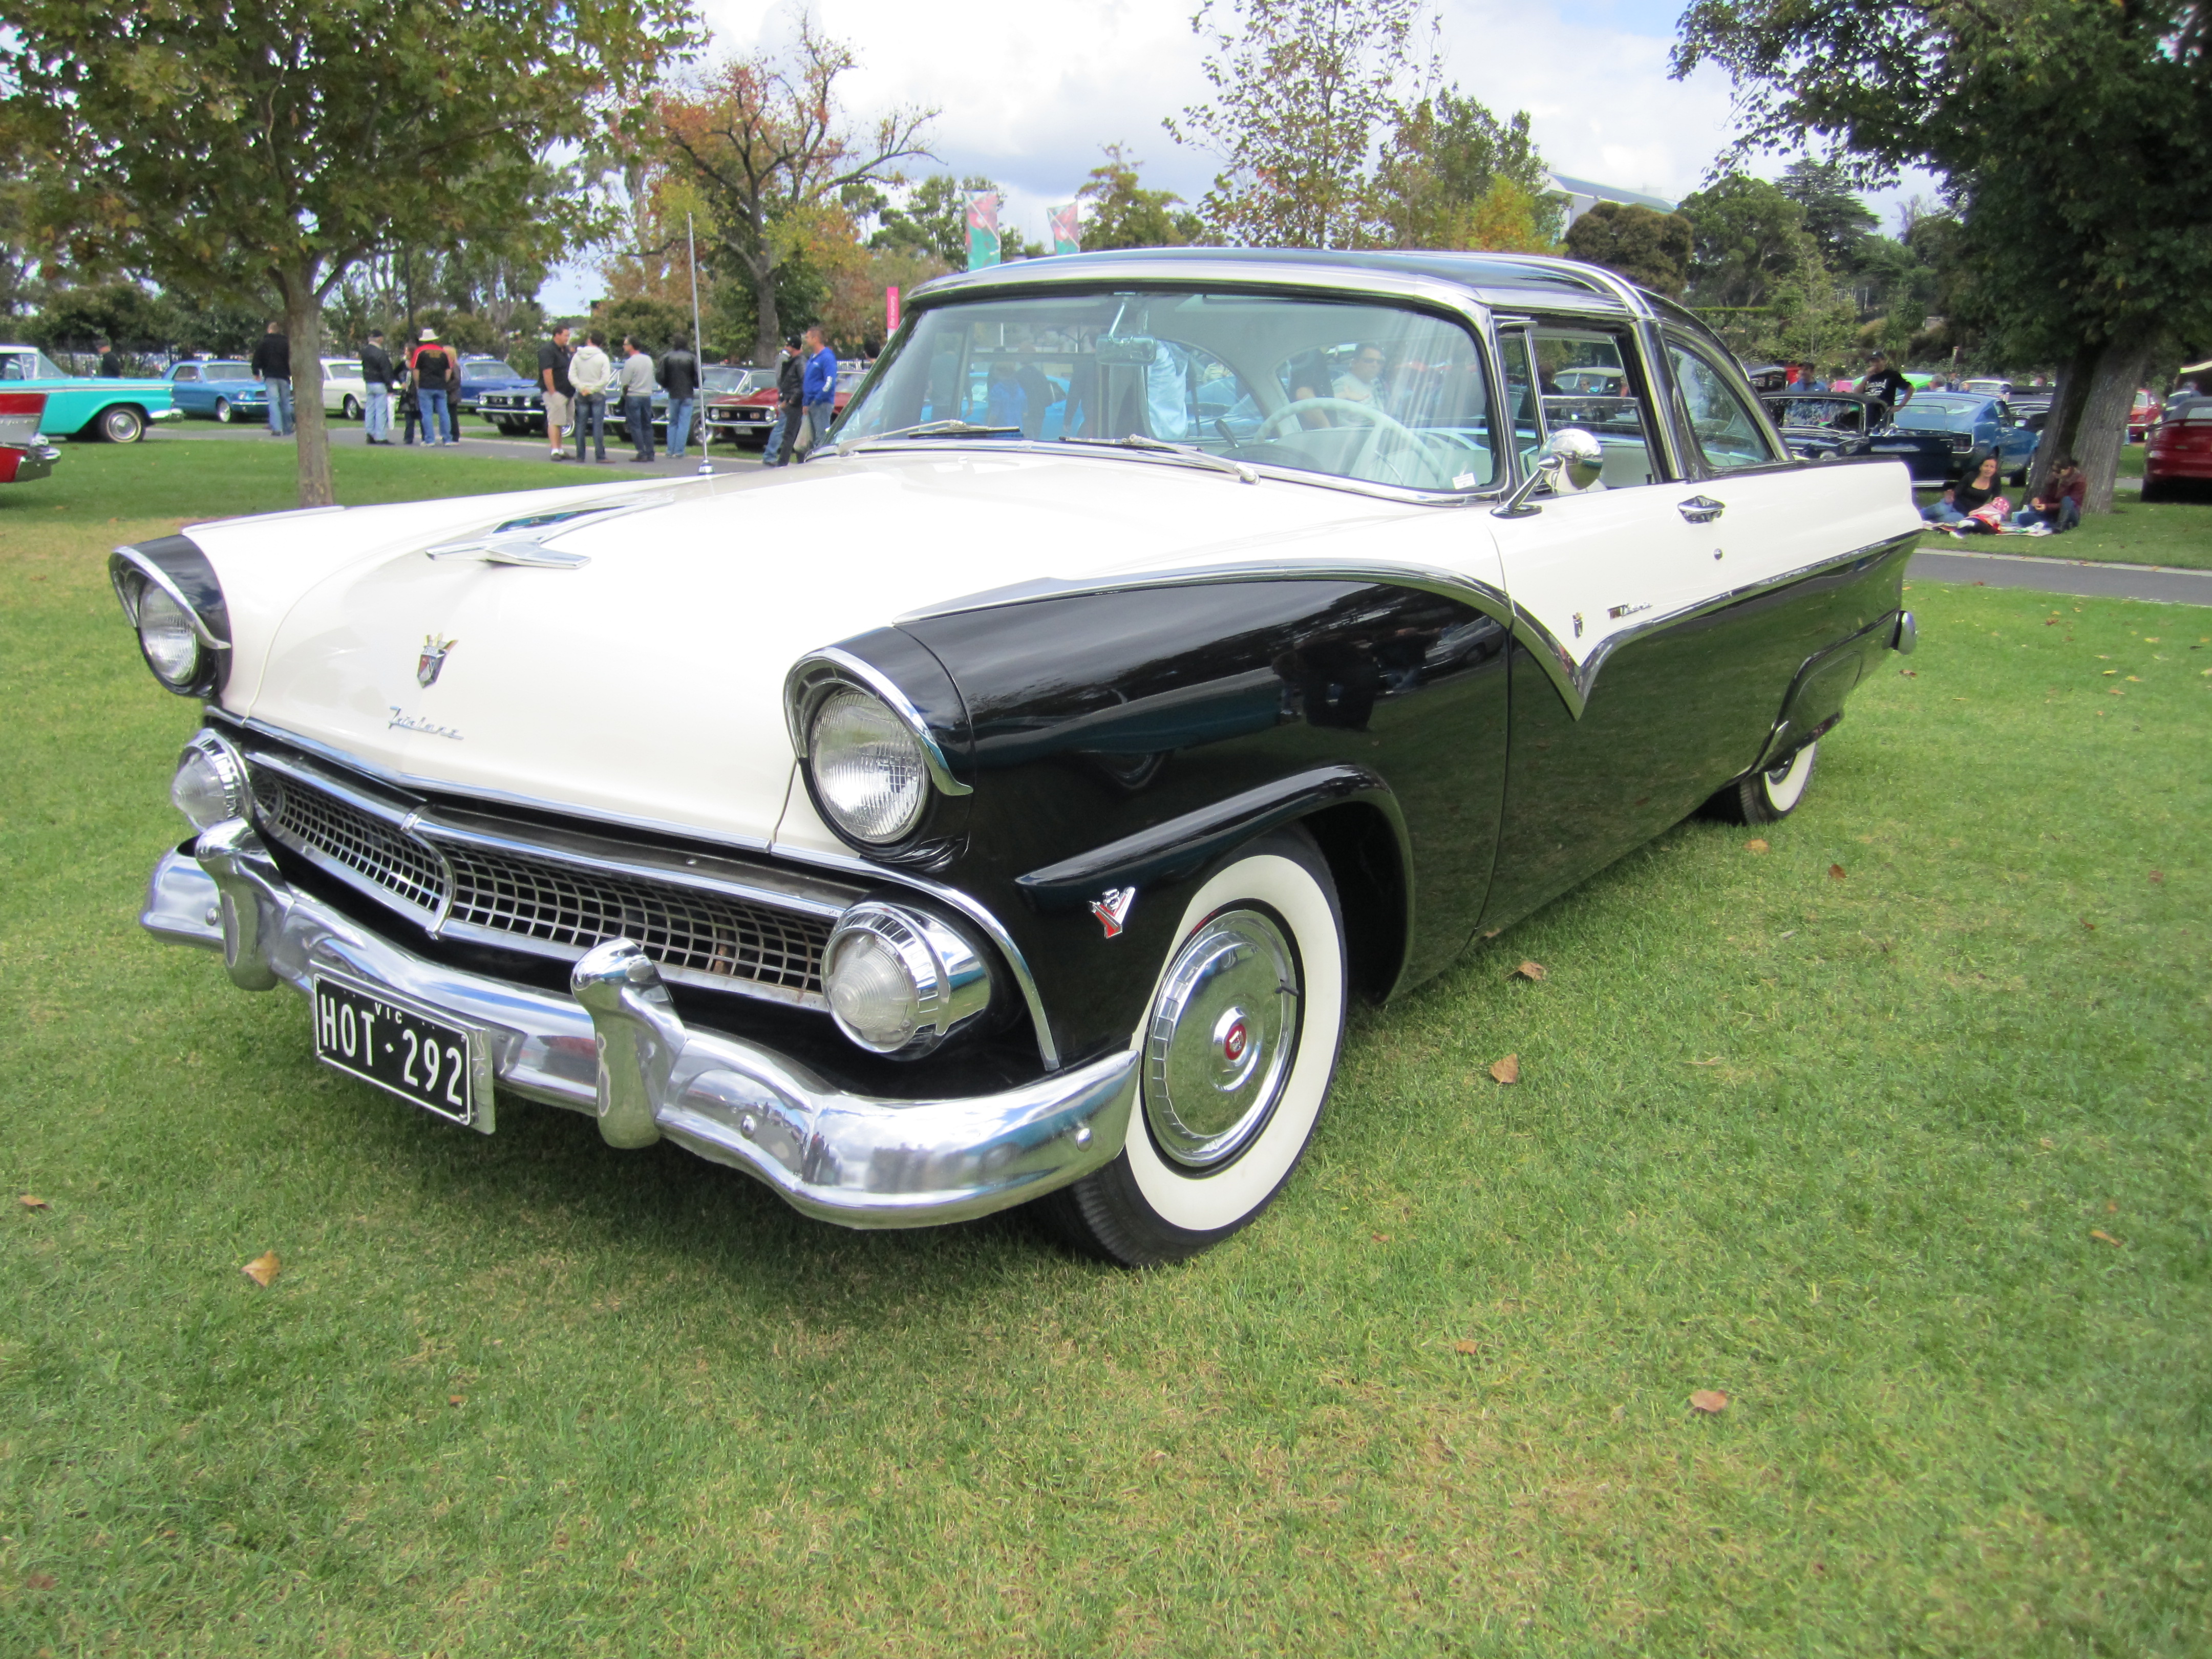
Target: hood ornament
[(433, 659), (1113, 909)]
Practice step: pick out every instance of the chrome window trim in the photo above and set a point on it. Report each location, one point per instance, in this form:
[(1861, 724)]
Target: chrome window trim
[(804, 689), (837, 863)]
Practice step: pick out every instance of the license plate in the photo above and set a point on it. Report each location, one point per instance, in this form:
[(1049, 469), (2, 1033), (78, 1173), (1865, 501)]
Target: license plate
[(400, 1046)]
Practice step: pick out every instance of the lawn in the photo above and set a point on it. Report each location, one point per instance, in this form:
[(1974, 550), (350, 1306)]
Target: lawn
[(1894, 1133)]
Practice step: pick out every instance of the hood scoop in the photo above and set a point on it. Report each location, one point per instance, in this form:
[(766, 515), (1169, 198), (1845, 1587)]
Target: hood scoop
[(524, 541)]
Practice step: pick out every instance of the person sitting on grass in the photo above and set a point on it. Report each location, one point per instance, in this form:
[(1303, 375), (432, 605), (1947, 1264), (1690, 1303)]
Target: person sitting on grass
[(1954, 510), (2059, 507)]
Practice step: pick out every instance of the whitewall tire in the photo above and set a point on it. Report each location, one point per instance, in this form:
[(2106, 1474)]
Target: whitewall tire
[(1771, 796), (1238, 1047)]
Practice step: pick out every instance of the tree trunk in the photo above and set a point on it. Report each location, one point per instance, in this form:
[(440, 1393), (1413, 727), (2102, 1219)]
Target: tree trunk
[(2061, 428), (303, 325), (769, 337), (2104, 428)]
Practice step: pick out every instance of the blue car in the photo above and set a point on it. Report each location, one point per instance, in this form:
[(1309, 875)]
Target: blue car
[(483, 375), (1969, 422), (222, 390)]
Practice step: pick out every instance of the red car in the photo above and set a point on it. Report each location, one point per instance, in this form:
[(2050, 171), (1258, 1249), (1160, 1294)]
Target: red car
[(2143, 416), (24, 452), (748, 415), (2180, 450)]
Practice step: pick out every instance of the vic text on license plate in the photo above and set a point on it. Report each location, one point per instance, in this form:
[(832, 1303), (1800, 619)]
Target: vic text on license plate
[(440, 1066)]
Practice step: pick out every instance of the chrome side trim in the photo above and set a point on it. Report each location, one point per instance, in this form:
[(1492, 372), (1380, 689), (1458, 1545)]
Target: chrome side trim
[(804, 685), (618, 1050)]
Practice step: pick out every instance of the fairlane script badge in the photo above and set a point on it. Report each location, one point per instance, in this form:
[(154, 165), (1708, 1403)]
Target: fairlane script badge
[(433, 659), (1114, 909)]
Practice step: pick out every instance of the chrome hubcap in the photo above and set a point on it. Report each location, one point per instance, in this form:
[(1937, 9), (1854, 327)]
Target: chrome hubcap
[(1222, 1037)]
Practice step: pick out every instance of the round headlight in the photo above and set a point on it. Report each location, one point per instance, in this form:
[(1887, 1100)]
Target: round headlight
[(166, 635), (869, 770), (873, 993), (209, 787)]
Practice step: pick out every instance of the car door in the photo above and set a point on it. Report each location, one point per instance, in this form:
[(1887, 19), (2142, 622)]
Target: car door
[(186, 390)]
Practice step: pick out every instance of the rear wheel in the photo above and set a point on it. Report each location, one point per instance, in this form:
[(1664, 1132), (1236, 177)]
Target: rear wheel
[(1769, 796), (122, 425), (1237, 1051), (351, 408)]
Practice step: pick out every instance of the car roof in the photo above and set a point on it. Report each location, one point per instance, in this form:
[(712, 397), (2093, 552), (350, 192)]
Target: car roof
[(1501, 279)]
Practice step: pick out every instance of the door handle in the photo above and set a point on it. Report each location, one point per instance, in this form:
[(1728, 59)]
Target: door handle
[(1702, 509)]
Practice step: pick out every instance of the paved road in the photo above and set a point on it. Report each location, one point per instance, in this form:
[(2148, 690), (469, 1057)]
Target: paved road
[(2096, 581)]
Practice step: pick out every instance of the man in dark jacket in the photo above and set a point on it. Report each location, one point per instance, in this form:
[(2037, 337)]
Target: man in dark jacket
[(790, 396), (110, 362), (679, 379), (272, 366), (376, 389)]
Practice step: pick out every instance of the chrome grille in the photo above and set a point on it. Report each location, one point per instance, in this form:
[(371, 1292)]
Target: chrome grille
[(365, 844), (709, 933), (548, 906)]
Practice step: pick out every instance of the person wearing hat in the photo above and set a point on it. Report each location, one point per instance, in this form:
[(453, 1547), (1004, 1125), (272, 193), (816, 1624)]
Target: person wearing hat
[(434, 371), (790, 397)]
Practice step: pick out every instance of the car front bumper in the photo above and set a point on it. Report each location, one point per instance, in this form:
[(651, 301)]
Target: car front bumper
[(616, 1050)]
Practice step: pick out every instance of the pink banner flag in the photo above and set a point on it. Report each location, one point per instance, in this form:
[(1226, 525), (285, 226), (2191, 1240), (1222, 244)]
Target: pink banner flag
[(1067, 229)]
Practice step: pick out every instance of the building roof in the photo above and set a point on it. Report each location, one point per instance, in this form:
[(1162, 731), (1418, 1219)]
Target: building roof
[(1611, 193)]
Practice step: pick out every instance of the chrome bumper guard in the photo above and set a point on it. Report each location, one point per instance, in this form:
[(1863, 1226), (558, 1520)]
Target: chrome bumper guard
[(617, 1049)]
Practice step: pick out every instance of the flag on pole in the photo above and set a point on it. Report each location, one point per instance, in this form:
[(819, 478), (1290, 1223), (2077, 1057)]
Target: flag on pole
[(1067, 229), (982, 230)]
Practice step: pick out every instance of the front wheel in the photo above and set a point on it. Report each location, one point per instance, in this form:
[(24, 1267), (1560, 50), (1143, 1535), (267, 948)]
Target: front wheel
[(222, 410), (1768, 797), (122, 425), (1238, 1050)]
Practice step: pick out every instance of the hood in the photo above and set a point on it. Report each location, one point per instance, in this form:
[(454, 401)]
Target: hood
[(647, 684)]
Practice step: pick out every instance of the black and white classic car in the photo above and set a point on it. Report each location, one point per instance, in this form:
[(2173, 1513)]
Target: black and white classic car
[(1002, 807)]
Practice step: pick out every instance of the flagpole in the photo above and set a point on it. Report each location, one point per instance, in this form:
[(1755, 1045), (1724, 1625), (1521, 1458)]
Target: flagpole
[(698, 350)]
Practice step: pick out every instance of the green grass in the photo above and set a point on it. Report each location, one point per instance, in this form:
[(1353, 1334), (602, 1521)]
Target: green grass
[(2175, 534), (1839, 1147)]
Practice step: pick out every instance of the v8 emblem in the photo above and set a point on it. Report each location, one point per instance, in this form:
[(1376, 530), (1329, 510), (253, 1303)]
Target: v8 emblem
[(1113, 909)]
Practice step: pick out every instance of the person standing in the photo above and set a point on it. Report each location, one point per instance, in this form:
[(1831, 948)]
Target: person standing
[(434, 386), (790, 400), (272, 366), (110, 362), (590, 374), (638, 386), (376, 389), (553, 375), (679, 378), (1884, 382), (818, 388)]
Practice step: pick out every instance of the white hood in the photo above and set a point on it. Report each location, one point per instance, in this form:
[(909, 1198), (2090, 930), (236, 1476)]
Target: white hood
[(647, 684)]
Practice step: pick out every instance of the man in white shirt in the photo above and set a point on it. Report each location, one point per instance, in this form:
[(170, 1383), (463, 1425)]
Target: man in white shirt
[(590, 374)]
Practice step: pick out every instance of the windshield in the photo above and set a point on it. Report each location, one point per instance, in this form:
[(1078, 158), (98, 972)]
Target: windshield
[(1366, 391), (31, 366), (725, 378)]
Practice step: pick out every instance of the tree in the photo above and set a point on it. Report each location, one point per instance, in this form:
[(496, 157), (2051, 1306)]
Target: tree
[(1304, 91), (933, 218), (259, 151), (1747, 238), (2077, 140), (1454, 176), (1122, 212), (1833, 216), (764, 142), (1646, 247)]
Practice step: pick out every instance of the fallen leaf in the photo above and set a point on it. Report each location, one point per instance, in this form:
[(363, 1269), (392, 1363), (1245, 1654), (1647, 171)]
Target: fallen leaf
[(2047, 1144), (33, 1201), (1711, 1401), (2158, 878), (2114, 691), (2089, 924), (2134, 679), (2111, 1208), (2050, 622), (1820, 1566), (38, 1581), (457, 1400), (1835, 872), (1754, 845), (1530, 971), (2104, 1238), (1715, 1060), (263, 1269), (1507, 1070), (1379, 1238), (1493, 933), (1466, 1345), (1909, 673), (2110, 671)]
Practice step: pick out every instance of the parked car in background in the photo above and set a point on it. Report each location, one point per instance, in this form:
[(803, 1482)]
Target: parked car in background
[(1971, 422), (744, 411), (79, 406), (1827, 425), (1989, 387), (482, 376), (1029, 849), (344, 391), (25, 454), (2142, 415), (2179, 454), (514, 409), (222, 389)]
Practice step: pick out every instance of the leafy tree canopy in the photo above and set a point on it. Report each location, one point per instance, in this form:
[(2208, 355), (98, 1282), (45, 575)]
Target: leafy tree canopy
[(1832, 214), (1454, 176), (1122, 212), (1643, 245)]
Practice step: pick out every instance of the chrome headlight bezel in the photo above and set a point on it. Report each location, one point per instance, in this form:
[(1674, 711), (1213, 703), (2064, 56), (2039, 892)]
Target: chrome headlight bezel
[(213, 759), (810, 688), (174, 575), (948, 978)]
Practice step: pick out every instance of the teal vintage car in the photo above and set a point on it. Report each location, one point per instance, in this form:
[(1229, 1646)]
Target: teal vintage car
[(78, 406)]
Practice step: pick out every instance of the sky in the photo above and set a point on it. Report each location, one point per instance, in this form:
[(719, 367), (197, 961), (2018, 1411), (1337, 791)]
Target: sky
[(1028, 99)]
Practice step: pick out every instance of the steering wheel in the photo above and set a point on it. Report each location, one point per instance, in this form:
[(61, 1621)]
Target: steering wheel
[(1381, 430)]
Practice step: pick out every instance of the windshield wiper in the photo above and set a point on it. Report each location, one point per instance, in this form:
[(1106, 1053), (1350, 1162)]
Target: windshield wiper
[(1236, 469), (933, 429)]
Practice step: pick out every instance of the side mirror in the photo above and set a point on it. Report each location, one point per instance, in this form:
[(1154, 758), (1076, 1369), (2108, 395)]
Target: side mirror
[(1572, 462)]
